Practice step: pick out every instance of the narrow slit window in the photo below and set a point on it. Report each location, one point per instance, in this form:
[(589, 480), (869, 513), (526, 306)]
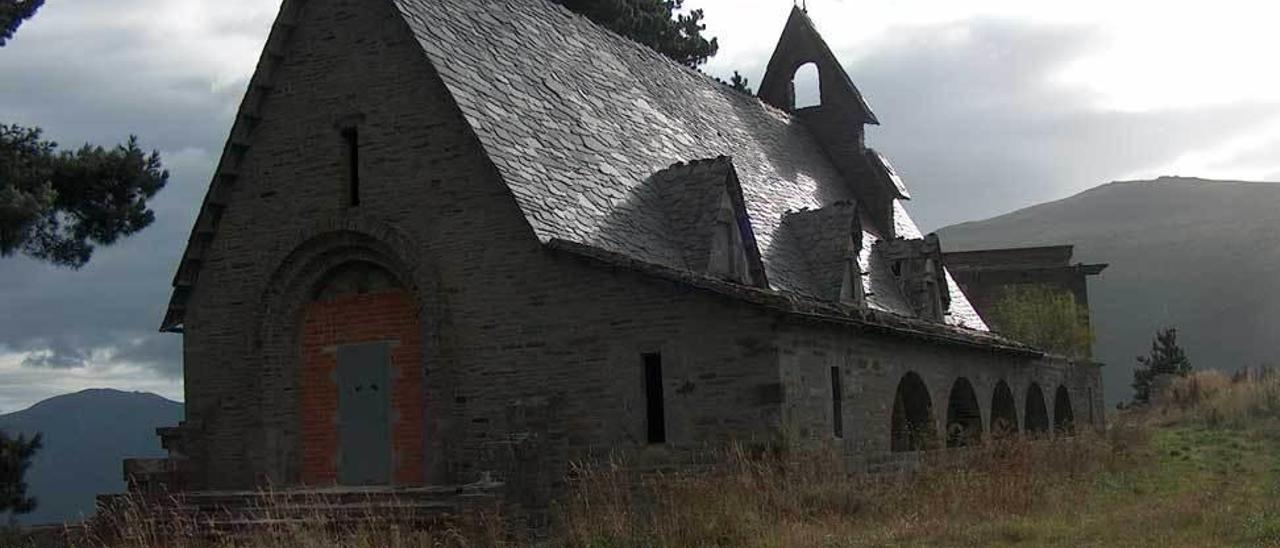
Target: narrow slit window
[(655, 412), (837, 403), (351, 138)]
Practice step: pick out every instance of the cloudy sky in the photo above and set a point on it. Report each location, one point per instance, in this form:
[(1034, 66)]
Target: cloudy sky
[(986, 106)]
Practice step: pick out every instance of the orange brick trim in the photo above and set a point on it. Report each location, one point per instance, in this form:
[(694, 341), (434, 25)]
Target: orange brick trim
[(351, 319)]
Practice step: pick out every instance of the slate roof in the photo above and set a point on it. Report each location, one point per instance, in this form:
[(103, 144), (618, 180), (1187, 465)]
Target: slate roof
[(578, 121), (804, 308), (607, 144)]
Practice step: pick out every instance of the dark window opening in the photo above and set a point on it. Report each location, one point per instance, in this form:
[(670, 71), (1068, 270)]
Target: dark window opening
[(837, 403), (351, 137), (1036, 416), (1090, 403), (655, 412)]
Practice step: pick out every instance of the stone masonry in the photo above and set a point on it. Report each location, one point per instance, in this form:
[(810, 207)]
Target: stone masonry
[(431, 177)]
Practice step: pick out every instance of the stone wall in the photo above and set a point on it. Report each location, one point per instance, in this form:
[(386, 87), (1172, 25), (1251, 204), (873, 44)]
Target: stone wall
[(520, 347), (872, 366)]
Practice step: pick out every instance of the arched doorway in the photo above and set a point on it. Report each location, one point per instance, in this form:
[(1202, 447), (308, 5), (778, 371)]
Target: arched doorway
[(361, 382), (1037, 416), (1063, 418), (1004, 412), (964, 417), (912, 425)]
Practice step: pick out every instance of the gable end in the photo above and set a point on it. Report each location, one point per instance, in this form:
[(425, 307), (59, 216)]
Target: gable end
[(227, 172)]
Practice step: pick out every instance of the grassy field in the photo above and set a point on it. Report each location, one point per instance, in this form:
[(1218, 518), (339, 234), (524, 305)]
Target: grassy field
[(1204, 487), (1183, 485), (1202, 471)]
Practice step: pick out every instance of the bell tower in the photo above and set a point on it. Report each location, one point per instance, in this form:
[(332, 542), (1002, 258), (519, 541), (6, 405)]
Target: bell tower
[(837, 121), (800, 45)]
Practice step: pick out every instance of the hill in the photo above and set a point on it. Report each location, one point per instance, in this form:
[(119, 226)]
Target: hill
[(1197, 254), (86, 436)]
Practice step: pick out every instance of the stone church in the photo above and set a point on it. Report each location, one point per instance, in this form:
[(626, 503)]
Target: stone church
[(450, 240)]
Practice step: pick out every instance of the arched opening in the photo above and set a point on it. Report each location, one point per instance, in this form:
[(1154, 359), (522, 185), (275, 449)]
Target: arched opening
[(912, 424), (1036, 415), (360, 383), (354, 278), (964, 417), (807, 87), (1004, 412), (1063, 419)]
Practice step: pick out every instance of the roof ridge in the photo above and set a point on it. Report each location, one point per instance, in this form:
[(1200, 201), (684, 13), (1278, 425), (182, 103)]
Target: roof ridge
[(691, 70)]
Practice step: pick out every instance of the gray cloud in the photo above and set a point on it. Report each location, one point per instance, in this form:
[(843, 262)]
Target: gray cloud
[(158, 352), (58, 355), (976, 125), (111, 309), (1262, 154), (70, 72)]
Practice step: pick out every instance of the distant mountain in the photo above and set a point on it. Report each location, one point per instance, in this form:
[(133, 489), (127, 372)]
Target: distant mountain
[(86, 436), (1196, 254)]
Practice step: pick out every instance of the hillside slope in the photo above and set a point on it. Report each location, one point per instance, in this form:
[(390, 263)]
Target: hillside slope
[(1200, 255), (86, 436)]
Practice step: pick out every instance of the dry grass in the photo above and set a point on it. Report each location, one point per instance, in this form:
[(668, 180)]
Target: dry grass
[(1204, 471), (281, 522), (1216, 400), (803, 499)]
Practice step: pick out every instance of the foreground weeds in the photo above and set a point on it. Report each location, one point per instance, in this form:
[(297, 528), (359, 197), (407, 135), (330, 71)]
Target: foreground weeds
[(1202, 471), (280, 522), (802, 499)]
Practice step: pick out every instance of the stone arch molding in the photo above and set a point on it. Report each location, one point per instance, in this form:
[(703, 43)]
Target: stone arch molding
[(309, 258)]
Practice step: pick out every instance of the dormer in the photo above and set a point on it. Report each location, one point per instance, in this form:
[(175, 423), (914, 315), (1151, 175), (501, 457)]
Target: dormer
[(827, 243), (918, 268), (705, 219), (880, 187)]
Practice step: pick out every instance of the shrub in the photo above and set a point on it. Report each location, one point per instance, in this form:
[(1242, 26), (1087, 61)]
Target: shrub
[(1217, 401)]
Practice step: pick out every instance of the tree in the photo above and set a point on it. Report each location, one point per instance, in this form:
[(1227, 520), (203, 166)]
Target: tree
[(653, 23), (55, 206), (13, 13), (1045, 317), (1166, 358), (15, 459), (740, 83)]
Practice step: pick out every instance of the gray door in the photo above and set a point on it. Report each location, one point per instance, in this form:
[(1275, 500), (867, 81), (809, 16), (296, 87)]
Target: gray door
[(364, 414)]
